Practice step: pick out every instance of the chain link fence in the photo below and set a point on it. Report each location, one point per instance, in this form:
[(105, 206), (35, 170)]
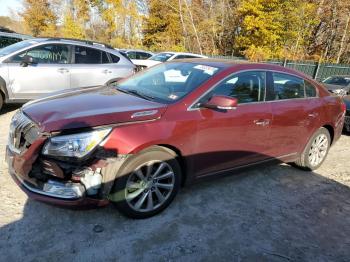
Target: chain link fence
[(318, 71)]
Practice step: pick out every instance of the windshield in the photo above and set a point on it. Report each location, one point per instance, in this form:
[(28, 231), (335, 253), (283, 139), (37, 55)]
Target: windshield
[(167, 83), (15, 47), (161, 57), (337, 80)]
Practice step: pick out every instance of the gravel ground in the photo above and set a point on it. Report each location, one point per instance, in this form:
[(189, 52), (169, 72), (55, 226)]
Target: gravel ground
[(269, 213)]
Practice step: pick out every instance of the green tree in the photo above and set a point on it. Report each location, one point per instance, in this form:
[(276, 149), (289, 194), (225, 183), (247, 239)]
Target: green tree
[(161, 29), (261, 28)]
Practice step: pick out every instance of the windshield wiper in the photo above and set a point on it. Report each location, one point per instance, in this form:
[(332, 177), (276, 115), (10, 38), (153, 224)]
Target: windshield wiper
[(136, 93)]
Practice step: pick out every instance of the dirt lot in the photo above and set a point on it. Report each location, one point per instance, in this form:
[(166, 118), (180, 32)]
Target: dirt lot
[(269, 213)]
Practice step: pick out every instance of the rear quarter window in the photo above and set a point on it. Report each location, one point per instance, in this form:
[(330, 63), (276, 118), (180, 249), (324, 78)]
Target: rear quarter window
[(115, 59)]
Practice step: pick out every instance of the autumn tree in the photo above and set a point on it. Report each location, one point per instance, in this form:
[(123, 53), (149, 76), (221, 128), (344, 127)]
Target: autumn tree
[(38, 17), (70, 28)]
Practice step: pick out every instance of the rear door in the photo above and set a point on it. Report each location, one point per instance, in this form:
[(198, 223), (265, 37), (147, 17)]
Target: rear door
[(91, 67), (231, 138), (50, 71), (296, 113)]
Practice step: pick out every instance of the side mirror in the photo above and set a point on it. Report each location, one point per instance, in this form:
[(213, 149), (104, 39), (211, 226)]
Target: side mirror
[(27, 60), (221, 103)]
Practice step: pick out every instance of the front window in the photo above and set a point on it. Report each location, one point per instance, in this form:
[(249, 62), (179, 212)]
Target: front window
[(337, 80), (167, 83), (45, 54), (247, 87), (162, 57), (15, 47)]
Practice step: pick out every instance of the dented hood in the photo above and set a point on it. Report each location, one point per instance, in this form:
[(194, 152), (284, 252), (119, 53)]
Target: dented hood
[(90, 108)]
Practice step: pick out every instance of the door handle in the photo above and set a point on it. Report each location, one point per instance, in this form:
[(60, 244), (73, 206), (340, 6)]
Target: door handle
[(63, 70), (262, 122), (107, 71)]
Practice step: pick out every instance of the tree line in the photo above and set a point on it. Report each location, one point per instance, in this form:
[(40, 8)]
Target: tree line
[(256, 29)]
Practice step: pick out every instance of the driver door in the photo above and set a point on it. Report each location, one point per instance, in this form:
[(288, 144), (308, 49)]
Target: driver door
[(49, 73), (230, 138)]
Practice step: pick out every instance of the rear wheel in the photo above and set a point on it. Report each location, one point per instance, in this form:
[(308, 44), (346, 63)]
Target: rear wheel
[(315, 151), (147, 184)]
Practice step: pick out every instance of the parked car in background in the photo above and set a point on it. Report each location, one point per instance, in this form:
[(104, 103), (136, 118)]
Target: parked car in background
[(34, 68), (347, 115), (164, 57), (339, 85), (136, 143), (8, 38), (135, 54)]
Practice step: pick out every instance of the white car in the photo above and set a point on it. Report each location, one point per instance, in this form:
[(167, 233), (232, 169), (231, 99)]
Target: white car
[(164, 57), (37, 67), (136, 55)]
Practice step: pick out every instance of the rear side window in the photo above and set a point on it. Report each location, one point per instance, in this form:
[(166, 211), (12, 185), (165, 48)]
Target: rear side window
[(6, 41), (287, 86), (185, 56), (86, 55), (247, 87), (115, 59), (310, 90), (131, 55), (142, 55)]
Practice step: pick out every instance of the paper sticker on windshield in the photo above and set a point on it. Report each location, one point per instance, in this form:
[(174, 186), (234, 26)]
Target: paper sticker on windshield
[(207, 69)]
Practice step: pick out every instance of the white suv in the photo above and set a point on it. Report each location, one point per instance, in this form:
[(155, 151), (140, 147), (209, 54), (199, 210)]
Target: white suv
[(34, 68)]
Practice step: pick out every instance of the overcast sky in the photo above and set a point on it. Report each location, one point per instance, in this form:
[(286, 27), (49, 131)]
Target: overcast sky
[(6, 5)]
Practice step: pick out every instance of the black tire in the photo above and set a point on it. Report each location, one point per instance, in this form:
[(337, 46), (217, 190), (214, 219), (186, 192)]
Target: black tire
[(304, 159), (119, 190), (1, 100)]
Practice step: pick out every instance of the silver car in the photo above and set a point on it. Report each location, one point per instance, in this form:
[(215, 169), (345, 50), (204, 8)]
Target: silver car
[(34, 68)]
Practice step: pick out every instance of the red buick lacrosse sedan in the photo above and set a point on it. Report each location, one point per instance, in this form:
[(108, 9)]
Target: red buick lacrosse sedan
[(137, 142)]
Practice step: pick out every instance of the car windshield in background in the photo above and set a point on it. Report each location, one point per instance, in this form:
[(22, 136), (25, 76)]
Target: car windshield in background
[(15, 47), (338, 80), (167, 83), (162, 57)]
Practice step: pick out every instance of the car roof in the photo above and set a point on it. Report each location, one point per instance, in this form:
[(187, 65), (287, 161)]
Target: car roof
[(242, 65), (136, 50), (181, 53), (74, 41)]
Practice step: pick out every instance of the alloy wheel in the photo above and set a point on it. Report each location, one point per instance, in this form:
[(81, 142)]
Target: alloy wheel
[(149, 186), (318, 150)]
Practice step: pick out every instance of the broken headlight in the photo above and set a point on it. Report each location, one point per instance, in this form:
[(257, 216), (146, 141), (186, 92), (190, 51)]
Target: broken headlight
[(75, 145)]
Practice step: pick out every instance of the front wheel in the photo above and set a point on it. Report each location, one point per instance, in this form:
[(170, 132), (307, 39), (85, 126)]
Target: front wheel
[(1, 101), (147, 183), (315, 151)]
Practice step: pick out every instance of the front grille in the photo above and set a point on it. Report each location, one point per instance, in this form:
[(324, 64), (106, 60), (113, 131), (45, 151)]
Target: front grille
[(23, 132)]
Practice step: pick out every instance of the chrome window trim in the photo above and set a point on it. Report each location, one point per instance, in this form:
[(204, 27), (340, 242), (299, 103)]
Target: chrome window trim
[(192, 108)]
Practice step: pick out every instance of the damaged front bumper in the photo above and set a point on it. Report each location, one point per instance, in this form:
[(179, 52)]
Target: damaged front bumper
[(54, 191)]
